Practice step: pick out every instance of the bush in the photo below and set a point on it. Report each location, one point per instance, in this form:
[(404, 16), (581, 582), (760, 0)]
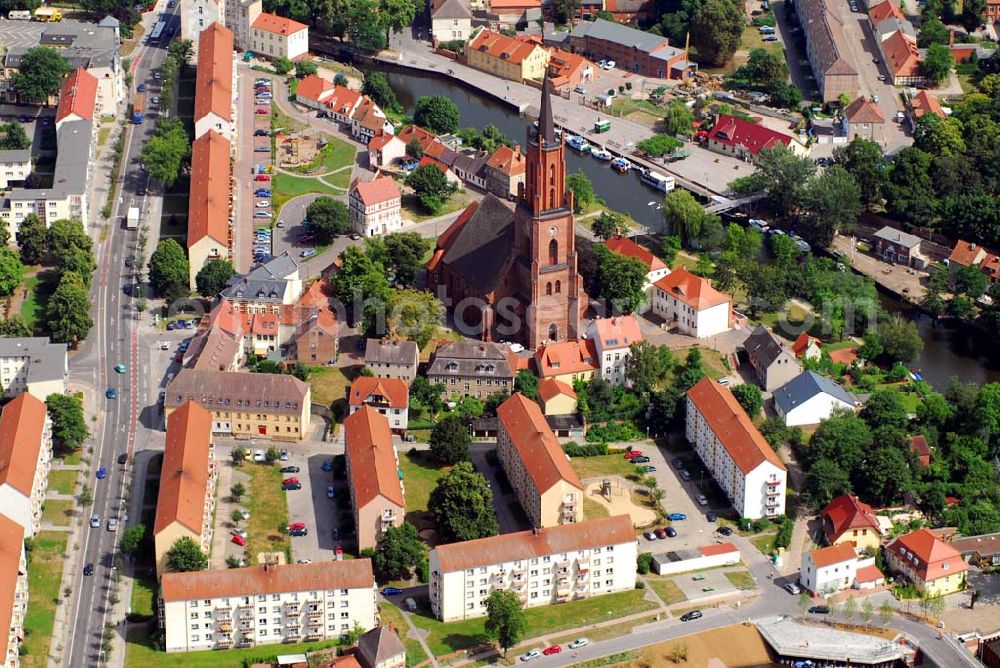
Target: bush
[(644, 563), (784, 537), (613, 431), (572, 449), (640, 585)]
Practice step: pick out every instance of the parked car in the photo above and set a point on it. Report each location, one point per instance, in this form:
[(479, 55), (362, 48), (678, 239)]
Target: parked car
[(671, 532), (677, 517), (689, 616), (290, 469), (648, 469), (309, 252), (792, 588), (262, 177), (725, 531), (701, 499), (263, 192), (710, 516), (530, 655), (239, 532), (641, 459), (578, 643), (263, 204), (328, 465), (283, 456), (679, 463), (820, 610), (411, 605), (329, 491), (632, 454), (661, 533), (291, 480), (391, 591), (258, 456), (102, 473), (649, 535), (261, 133), (239, 540), (292, 487), (122, 458), (551, 649), (685, 475)]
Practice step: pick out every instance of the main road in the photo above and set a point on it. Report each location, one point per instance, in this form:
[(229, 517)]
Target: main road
[(113, 341)]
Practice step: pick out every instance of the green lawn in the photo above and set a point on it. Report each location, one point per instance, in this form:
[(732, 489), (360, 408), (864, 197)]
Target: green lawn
[(592, 510), (591, 467), (393, 616), (413, 211), (102, 135), (268, 511), (666, 589), (58, 512), (143, 593), (765, 543), (69, 458), (420, 476), (30, 306), (140, 653), (606, 632), (741, 579), (447, 638), (336, 154), (286, 186), (45, 567), (62, 481)]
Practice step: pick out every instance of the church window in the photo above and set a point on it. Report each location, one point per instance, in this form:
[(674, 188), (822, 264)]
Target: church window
[(553, 332), (548, 288), (553, 252), (558, 287)]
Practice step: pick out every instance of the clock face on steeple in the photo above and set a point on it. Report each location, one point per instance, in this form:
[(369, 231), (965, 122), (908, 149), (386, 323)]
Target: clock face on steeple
[(553, 231)]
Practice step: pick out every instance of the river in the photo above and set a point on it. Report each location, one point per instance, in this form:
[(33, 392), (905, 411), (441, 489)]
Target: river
[(948, 352)]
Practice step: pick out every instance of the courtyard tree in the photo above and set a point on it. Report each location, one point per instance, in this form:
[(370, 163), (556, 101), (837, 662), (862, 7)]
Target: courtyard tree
[(236, 491), (716, 29), (462, 504), (937, 63), (683, 215), (413, 314), (212, 278), (69, 428), (304, 68), (40, 75), (32, 239), (395, 15), (132, 539), (376, 86), (239, 455), (283, 66), (431, 187), (398, 552), (750, 398), (328, 218), (169, 269), (236, 517), (13, 137), (166, 151), (11, 271), (14, 327), (621, 280), (647, 366), (505, 620), (449, 440), (65, 235), (526, 383), (185, 556)]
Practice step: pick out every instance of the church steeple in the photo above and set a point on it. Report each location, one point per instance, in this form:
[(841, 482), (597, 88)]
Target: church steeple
[(546, 129), (545, 179)]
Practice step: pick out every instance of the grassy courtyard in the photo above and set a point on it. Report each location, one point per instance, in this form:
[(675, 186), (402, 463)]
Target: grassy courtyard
[(62, 481), (393, 616), (329, 384), (30, 307), (666, 589), (592, 467), (140, 653), (45, 566), (58, 512), (420, 476), (286, 187), (336, 154), (268, 511)]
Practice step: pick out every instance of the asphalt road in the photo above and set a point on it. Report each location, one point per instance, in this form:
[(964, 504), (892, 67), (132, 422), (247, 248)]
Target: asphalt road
[(113, 341)]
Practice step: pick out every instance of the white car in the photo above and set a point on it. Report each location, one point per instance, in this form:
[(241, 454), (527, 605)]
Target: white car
[(578, 643), (516, 348), (258, 455), (531, 655), (164, 345), (304, 561), (95, 521), (112, 524), (609, 65), (875, 98), (263, 204)]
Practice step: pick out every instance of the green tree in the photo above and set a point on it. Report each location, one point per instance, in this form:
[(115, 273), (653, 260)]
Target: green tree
[(80, 261), (404, 255), (239, 455), (990, 85), (621, 280), (716, 29), (659, 145), (608, 224), (647, 366), (972, 13), (937, 63), (494, 401), (582, 189), (414, 149), (166, 151), (864, 160), (825, 480), (185, 556), (834, 201), (884, 477), (271, 455), (526, 383), (305, 68), (395, 15), (237, 491), (669, 249), (885, 612), (11, 271), (683, 215), (414, 314), (900, 340), (32, 239), (13, 137), (69, 428), (398, 551), (939, 137), (376, 86), (764, 67), (566, 10), (885, 408), (932, 31), (462, 504), (14, 327), (132, 539), (449, 440), (970, 280), (909, 190), (750, 398), (328, 218), (283, 65), (363, 28), (66, 235), (784, 175), (213, 277), (67, 314), (181, 50), (169, 269), (436, 113), (431, 187), (40, 75), (677, 119), (361, 284), (505, 621)]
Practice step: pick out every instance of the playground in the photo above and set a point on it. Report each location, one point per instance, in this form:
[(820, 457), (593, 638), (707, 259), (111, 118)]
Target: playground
[(617, 497)]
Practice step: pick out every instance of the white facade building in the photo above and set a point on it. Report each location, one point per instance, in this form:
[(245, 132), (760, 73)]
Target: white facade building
[(266, 604), (13, 591), (734, 452), (613, 338), (810, 398), (375, 207), (14, 167), (829, 569), (544, 566), (692, 305), (32, 365), (278, 37), (25, 454), (240, 15), (196, 15)]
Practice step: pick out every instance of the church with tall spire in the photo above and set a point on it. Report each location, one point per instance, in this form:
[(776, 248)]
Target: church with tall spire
[(510, 273)]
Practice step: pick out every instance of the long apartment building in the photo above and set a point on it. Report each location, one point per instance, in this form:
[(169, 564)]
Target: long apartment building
[(548, 488), (543, 566), (826, 49), (214, 82), (13, 590), (245, 405), (267, 604), (734, 451), (377, 494), (186, 502), (25, 456), (34, 365)]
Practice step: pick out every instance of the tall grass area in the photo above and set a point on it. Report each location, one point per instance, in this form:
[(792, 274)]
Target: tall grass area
[(45, 567)]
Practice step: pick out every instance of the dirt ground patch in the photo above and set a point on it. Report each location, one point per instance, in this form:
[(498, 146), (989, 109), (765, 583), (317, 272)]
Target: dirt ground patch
[(729, 647), (621, 504)]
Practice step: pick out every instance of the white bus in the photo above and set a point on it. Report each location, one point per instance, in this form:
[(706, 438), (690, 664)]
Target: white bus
[(157, 32)]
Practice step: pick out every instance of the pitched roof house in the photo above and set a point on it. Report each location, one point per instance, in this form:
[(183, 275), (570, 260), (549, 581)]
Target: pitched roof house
[(933, 566), (773, 362), (392, 359), (613, 338), (863, 118), (381, 648), (377, 494), (741, 138), (826, 49), (655, 267), (567, 361), (848, 519), (810, 398), (389, 396), (692, 305), (807, 347), (77, 98)]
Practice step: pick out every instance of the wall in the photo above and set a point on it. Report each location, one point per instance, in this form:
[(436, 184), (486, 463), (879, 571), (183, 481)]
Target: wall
[(713, 561)]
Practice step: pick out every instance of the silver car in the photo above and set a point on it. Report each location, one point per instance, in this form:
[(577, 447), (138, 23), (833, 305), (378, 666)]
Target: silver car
[(112, 524), (95, 521)]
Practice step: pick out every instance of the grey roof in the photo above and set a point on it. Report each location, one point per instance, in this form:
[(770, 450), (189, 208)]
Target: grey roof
[(619, 34), (391, 352), (824, 36), (379, 645), (472, 358), (804, 387), (16, 155), (892, 24), (471, 162), (453, 9), (484, 244), (264, 282), (72, 168), (674, 556), (281, 266), (47, 359), (897, 237), (109, 22), (232, 390), (763, 345)]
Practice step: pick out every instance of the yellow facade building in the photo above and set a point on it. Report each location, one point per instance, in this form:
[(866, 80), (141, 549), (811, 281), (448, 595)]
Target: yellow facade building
[(507, 57)]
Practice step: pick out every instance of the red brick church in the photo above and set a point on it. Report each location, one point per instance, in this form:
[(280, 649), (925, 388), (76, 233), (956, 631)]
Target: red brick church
[(511, 273)]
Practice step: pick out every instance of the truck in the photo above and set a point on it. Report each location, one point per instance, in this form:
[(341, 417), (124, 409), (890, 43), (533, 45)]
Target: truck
[(132, 222), (48, 14), (138, 107)]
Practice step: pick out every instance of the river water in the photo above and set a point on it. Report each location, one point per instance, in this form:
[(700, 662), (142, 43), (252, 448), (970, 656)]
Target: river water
[(962, 352)]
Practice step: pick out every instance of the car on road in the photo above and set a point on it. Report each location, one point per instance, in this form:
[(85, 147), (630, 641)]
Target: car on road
[(309, 252), (261, 133), (23, 119), (769, 38), (551, 649), (294, 526), (530, 655), (102, 473), (290, 469), (261, 112), (263, 192), (141, 192), (122, 458), (792, 588), (262, 177), (689, 616), (632, 454), (391, 591), (141, 88), (679, 463), (820, 610), (304, 561), (580, 89), (711, 516), (701, 499), (875, 98), (120, 368), (239, 540), (112, 393), (685, 475), (95, 521), (677, 517), (328, 465), (329, 491), (88, 570), (578, 643), (239, 532), (112, 524), (291, 486), (725, 531), (641, 459), (671, 532), (262, 214), (280, 223)]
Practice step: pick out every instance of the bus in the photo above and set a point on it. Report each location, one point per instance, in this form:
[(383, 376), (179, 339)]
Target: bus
[(157, 32), (19, 15), (138, 108)]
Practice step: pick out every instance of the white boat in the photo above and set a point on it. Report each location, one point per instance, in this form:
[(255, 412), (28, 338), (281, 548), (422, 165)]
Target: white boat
[(658, 181), (621, 165), (599, 154), (579, 143)]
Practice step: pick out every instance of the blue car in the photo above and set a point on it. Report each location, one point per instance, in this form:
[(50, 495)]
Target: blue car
[(102, 473), (676, 517), (112, 393), (328, 465), (263, 193), (391, 591), (170, 327)]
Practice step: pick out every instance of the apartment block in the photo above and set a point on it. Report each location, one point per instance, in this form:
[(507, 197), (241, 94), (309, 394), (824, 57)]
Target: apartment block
[(240, 15), (186, 502), (275, 36), (258, 405), (15, 165), (542, 566), (548, 488), (377, 494), (390, 397), (266, 604), (13, 590), (214, 82), (209, 205), (613, 339), (34, 365), (734, 452), (392, 359), (375, 207), (25, 456), (473, 368)]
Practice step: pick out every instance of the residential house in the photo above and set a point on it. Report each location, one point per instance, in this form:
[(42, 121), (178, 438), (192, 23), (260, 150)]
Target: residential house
[(77, 98), (924, 103), (239, 16), (209, 233), (341, 105), (15, 166), (863, 118), (215, 349), (933, 566), (266, 287), (214, 82), (901, 57), (368, 121), (267, 604), (967, 254), (376, 486), (513, 14), (882, 11), (25, 457), (829, 570), (809, 398), (275, 36), (773, 363), (920, 449), (506, 57), (505, 172), (451, 20), (898, 247), (381, 648), (613, 340), (633, 50), (848, 519), (470, 167), (315, 341), (542, 566), (538, 469), (34, 365), (690, 304), (567, 70), (735, 453), (568, 361), (556, 397), (258, 405), (655, 267), (826, 49), (185, 506), (13, 590), (745, 140), (314, 91), (392, 359), (473, 368), (385, 149), (982, 550), (375, 207), (807, 347), (389, 396)]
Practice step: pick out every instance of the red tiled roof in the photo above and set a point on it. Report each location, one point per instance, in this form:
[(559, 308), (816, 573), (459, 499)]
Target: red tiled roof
[(222, 582), (555, 359), (732, 131), (536, 445), (11, 545), (695, 291), (835, 554), (901, 55), (802, 343), (732, 426), (927, 554), (617, 332), (278, 25), (885, 10), (343, 101), (213, 88), (496, 45), (78, 96), (844, 355), (368, 115), (393, 389), (967, 253), (525, 545), (863, 110), (380, 140), (208, 205), (919, 446), (925, 103), (868, 574), (550, 388), (428, 160), (382, 189), (22, 426), (846, 513), (314, 88), (424, 137), (317, 296), (373, 468), (718, 548), (624, 246), (499, 6), (185, 473), (509, 161), (564, 66)]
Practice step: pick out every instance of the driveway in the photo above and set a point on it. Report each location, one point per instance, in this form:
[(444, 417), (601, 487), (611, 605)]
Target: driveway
[(310, 504), (509, 522)]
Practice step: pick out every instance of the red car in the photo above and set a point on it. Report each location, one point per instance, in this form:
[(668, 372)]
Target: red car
[(632, 454), (290, 481), (263, 111), (551, 649), (240, 540), (297, 526), (262, 177)]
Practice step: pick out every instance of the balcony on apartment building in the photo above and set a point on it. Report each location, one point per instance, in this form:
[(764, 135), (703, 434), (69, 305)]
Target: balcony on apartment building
[(291, 607), (563, 593), (581, 593), (225, 641), (314, 613), (246, 640), (388, 519), (244, 611), (292, 634), (499, 575), (569, 507)]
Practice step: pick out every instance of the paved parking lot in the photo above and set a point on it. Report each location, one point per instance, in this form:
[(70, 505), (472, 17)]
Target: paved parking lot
[(713, 583), (310, 504), (20, 33)]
